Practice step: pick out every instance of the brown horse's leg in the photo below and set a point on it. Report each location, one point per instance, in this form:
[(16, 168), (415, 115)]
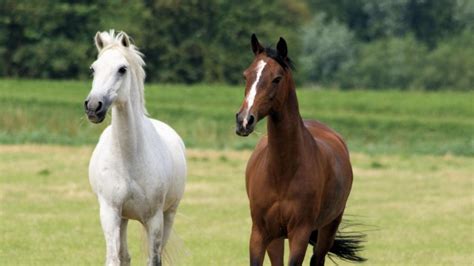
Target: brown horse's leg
[(299, 240), (325, 241), (276, 251), (258, 245)]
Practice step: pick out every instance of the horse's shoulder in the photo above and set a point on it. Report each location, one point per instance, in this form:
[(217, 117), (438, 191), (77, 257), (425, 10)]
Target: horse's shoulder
[(317, 126)]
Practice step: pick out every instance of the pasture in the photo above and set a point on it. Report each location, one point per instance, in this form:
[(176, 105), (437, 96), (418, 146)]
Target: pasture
[(421, 205), (412, 154), (36, 111)]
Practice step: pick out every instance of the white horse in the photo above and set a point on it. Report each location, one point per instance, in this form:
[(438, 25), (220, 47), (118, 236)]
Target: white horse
[(138, 168)]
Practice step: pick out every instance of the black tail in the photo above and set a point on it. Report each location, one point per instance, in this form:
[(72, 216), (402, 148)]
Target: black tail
[(347, 245)]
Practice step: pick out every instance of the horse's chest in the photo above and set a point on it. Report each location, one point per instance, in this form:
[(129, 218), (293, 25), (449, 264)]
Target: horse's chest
[(131, 183), (276, 204), (276, 217)]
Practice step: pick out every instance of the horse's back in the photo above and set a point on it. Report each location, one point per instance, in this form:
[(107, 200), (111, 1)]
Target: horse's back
[(331, 145), (322, 132)]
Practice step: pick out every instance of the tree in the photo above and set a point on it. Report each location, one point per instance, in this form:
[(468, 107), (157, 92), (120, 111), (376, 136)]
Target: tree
[(47, 39), (195, 41), (327, 47), (431, 21)]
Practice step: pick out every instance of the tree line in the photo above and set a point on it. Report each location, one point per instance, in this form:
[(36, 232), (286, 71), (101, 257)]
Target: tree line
[(378, 44)]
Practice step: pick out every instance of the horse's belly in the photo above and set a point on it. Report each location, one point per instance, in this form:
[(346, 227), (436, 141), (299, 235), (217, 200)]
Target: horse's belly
[(137, 209), (130, 211)]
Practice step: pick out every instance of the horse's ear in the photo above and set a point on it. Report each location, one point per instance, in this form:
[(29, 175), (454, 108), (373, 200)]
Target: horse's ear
[(124, 39), (256, 46), (282, 48), (99, 43)]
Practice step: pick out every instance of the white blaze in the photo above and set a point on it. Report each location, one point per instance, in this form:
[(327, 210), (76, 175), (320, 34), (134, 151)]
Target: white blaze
[(253, 90)]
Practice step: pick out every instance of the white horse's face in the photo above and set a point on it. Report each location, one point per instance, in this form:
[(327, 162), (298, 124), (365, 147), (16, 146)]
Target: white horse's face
[(109, 86)]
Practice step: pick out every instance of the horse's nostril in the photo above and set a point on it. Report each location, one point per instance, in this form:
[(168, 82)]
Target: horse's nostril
[(99, 107), (85, 104), (251, 120)]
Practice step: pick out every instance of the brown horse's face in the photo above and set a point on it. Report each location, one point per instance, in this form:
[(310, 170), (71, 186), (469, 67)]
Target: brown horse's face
[(263, 89)]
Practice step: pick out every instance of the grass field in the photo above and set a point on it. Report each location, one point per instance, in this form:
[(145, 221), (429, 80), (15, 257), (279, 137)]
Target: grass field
[(375, 122), (421, 206), (413, 157)]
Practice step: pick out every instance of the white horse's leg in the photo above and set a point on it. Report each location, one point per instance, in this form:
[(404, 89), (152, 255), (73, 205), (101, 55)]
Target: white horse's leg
[(168, 224), (154, 228), (110, 220), (124, 255)]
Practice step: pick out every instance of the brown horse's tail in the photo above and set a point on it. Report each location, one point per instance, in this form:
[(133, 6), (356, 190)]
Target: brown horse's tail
[(348, 245)]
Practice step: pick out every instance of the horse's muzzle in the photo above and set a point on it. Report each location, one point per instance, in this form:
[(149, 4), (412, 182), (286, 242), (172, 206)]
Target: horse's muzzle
[(244, 124), (95, 109)]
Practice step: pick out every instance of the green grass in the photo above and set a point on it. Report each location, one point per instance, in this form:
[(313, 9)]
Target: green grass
[(412, 155), (388, 122), (419, 205)]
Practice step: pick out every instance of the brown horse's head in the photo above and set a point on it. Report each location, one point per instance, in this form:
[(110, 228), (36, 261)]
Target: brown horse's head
[(266, 88)]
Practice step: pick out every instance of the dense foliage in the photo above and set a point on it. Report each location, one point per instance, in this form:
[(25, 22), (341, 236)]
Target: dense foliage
[(347, 43)]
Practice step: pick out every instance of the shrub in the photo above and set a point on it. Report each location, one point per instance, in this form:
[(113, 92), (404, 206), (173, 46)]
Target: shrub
[(386, 63), (327, 47), (450, 65)]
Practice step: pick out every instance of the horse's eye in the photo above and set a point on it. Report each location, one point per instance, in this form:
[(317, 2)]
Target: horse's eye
[(122, 70), (276, 80), (91, 71)]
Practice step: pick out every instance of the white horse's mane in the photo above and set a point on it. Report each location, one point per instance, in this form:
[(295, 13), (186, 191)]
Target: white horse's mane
[(133, 56)]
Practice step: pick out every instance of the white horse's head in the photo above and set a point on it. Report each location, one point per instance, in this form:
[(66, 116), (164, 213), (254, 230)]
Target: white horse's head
[(119, 65)]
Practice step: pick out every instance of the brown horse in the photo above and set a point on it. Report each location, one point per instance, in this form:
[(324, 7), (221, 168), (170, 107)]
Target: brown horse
[(299, 176)]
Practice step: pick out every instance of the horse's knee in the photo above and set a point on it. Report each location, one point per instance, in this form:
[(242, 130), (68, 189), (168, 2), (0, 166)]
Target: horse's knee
[(155, 260), (296, 261), (155, 230), (312, 262), (125, 261), (112, 261), (316, 260), (297, 254), (299, 241)]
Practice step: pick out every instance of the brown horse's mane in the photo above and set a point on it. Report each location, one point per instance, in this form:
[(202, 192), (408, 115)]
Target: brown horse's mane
[(284, 62)]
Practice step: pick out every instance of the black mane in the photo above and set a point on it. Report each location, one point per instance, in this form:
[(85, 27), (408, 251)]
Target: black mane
[(284, 62)]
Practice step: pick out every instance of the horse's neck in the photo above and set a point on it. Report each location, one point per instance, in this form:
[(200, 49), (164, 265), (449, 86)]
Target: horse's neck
[(128, 122), (286, 134)]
